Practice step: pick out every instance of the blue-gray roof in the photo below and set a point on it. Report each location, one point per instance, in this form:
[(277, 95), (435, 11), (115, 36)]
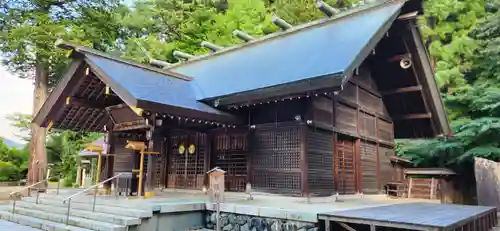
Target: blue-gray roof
[(331, 47), (145, 85)]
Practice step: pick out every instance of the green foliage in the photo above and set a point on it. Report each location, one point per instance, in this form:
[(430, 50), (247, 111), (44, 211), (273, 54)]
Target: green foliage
[(62, 151), (162, 26), (13, 163), (446, 26), (30, 28), (8, 171)]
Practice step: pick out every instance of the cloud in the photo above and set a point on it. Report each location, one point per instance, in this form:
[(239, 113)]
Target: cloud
[(16, 95)]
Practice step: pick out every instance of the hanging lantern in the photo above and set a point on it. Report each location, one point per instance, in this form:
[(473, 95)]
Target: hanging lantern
[(181, 149)]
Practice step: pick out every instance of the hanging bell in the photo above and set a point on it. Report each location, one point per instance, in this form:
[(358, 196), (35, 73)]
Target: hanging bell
[(405, 63)]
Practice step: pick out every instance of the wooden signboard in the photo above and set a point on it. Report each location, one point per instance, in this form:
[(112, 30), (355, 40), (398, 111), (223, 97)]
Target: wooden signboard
[(216, 184)]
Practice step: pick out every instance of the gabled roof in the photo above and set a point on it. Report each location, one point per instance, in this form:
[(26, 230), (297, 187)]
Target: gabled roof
[(149, 89), (87, 153), (318, 55), (137, 85)]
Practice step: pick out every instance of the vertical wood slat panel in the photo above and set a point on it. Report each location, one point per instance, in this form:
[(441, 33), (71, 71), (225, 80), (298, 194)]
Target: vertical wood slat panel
[(186, 170), (123, 161), (320, 161), (231, 154), (276, 158), (387, 171), (368, 160), (345, 118), (367, 125), (345, 163)]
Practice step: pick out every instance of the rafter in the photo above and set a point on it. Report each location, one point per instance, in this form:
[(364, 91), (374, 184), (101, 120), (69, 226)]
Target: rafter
[(75, 101), (412, 116), (402, 90)]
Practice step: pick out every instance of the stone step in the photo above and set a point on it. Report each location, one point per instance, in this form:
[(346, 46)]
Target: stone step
[(98, 216), (8, 225), (88, 207), (74, 221), (38, 223)]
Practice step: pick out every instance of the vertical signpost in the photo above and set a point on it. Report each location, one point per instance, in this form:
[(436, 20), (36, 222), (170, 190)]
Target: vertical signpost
[(216, 181)]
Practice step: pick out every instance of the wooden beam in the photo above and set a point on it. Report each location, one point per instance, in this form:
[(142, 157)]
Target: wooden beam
[(412, 116), (75, 101), (346, 226), (402, 90)]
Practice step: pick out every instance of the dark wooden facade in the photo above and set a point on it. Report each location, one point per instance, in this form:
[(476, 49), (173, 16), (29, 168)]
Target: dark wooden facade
[(331, 139), (317, 145)]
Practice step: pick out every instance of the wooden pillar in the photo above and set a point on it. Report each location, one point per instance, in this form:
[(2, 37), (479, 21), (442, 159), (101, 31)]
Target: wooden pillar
[(327, 224), (303, 162), (110, 159), (410, 187), (358, 172), (150, 135)]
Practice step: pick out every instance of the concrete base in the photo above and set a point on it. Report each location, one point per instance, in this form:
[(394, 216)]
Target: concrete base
[(170, 222)]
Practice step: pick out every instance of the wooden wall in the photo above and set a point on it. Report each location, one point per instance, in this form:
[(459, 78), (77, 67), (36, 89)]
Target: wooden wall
[(361, 114), (187, 170), (320, 161), (230, 153), (369, 167), (124, 159), (276, 153)]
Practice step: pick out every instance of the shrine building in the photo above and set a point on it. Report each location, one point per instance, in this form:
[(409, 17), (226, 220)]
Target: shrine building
[(309, 110)]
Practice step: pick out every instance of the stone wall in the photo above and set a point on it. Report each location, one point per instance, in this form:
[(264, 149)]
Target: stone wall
[(237, 222)]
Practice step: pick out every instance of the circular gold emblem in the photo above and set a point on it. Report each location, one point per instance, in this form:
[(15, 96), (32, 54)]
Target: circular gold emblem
[(182, 149), (191, 149)]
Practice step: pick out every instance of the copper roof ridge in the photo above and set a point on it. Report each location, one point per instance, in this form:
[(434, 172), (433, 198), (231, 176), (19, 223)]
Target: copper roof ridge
[(85, 49)]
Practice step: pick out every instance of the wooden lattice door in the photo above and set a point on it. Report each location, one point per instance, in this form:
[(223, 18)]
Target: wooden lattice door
[(186, 165), (345, 170), (230, 152)]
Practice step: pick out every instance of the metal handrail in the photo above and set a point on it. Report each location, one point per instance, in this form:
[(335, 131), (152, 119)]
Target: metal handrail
[(29, 187), (68, 199), (93, 186)]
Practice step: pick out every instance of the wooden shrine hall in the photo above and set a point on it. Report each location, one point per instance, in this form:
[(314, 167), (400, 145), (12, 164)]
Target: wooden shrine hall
[(309, 110)]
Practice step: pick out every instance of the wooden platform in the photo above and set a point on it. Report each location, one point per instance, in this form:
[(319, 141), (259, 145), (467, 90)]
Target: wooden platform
[(415, 216)]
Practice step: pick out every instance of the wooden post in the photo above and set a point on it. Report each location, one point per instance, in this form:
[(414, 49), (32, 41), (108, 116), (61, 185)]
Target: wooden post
[(99, 163), (141, 173), (409, 187), (303, 162), (433, 188), (149, 192), (110, 159), (372, 227)]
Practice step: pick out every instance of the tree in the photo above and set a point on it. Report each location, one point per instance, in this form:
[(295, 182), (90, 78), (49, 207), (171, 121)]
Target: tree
[(446, 25), (29, 29), (63, 148), (23, 123), (162, 26)]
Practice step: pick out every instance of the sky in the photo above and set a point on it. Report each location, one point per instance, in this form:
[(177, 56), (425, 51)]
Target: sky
[(16, 95)]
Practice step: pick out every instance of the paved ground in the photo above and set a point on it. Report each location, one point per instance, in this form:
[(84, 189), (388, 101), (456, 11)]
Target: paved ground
[(316, 205), (5, 225)]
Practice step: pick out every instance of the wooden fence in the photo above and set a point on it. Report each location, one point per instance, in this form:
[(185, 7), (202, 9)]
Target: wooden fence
[(487, 174)]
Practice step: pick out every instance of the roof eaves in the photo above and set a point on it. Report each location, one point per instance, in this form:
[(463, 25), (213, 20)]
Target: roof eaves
[(342, 15), (276, 91), (84, 49), (368, 48), (124, 94)]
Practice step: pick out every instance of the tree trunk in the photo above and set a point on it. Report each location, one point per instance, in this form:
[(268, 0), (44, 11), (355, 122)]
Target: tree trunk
[(37, 165)]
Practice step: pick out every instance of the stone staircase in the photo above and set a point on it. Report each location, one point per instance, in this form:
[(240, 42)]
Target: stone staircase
[(51, 214)]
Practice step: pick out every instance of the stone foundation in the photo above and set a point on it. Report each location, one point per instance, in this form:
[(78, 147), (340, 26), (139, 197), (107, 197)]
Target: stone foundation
[(238, 222)]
